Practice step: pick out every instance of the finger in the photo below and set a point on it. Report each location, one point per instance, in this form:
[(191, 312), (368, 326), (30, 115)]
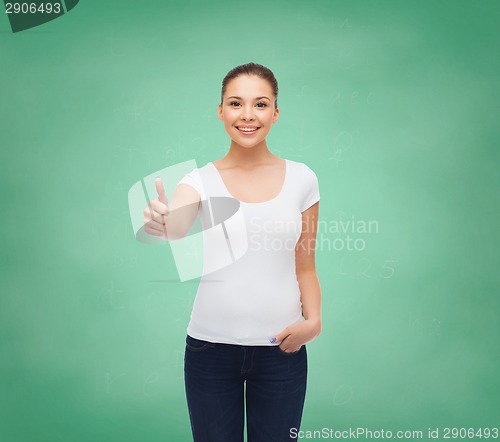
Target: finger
[(154, 225), (290, 349), (159, 225), (161, 190), (156, 229), (280, 336), (155, 222), (157, 233), (154, 219), (158, 208), (288, 346), (160, 218), (285, 344)]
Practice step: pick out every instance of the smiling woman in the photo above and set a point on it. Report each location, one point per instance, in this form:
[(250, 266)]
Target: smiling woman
[(251, 319), (249, 109)]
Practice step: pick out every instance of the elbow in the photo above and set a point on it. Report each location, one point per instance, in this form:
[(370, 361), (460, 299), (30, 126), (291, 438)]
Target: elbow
[(319, 328), (175, 234)]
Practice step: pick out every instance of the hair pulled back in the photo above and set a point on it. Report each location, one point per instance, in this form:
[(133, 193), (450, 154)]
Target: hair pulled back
[(252, 69)]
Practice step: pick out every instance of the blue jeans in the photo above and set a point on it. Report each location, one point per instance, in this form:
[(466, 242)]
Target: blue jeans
[(215, 375)]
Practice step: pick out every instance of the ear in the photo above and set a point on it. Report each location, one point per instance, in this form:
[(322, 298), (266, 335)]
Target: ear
[(219, 112), (276, 115)]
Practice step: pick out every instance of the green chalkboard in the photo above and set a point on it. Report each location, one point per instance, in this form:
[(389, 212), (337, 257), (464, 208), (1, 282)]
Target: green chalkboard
[(393, 104)]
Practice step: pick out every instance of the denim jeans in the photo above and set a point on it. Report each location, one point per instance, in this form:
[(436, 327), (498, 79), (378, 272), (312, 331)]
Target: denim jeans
[(222, 381)]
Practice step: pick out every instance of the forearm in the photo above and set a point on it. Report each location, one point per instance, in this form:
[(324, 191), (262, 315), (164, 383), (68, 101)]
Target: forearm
[(310, 296)]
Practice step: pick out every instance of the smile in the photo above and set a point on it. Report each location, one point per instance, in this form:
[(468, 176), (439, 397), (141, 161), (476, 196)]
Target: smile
[(248, 130)]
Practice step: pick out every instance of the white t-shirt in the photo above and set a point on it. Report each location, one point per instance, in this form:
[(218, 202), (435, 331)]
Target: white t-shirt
[(257, 295)]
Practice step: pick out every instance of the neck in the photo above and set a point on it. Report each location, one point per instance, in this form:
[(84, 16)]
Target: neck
[(248, 156)]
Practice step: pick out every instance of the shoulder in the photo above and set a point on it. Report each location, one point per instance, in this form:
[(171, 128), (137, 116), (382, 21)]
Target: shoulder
[(305, 184), (197, 178), (301, 170), (199, 171)]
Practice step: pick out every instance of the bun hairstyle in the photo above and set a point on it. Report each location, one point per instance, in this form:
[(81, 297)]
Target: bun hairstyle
[(252, 69)]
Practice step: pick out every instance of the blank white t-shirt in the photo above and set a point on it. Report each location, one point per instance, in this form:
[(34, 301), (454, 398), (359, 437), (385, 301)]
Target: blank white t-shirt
[(257, 296)]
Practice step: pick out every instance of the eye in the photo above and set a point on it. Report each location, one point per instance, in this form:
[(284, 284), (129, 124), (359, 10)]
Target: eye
[(233, 102), (263, 104)]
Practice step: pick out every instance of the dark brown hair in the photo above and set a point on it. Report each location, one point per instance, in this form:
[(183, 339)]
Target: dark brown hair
[(252, 69)]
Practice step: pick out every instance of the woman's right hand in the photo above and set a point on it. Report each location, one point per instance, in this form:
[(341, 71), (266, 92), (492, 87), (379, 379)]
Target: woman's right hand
[(156, 214)]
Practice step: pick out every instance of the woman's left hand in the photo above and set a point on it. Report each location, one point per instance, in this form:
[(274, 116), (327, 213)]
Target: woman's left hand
[(296, 335)]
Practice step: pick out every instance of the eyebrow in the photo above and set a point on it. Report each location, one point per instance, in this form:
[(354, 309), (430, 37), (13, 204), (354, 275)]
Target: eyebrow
[(239, 98)]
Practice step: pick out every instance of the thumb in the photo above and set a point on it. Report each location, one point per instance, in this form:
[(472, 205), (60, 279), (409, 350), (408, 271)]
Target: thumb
[(280, 336), (161, 190)]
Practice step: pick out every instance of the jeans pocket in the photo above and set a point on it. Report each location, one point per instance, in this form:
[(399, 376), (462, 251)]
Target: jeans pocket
[(194, 344), (289, 353)]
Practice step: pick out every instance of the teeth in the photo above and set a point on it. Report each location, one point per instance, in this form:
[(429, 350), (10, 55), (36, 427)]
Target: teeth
[(244, 129)]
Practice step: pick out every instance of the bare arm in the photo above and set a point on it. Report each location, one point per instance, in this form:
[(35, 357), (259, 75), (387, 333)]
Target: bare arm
[(183, 211), (305, 263), (294, 336)]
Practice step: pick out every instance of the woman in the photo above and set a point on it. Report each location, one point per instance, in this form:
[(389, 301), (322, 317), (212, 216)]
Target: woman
[(245, 346)]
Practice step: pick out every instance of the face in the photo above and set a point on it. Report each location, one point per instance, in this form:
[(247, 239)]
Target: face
[(247, 110)]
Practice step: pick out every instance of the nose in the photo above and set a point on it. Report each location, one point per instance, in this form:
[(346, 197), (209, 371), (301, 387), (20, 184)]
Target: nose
[(247, 113)]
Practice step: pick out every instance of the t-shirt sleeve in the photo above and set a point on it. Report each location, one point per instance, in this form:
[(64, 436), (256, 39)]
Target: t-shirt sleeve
[(193, 179), (311, 189)]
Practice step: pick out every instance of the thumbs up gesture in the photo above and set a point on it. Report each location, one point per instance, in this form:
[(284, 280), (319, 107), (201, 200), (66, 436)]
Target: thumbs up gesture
[(156, 214)]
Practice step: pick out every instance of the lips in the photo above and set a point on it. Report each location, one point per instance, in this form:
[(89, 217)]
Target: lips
[(247, 130)]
